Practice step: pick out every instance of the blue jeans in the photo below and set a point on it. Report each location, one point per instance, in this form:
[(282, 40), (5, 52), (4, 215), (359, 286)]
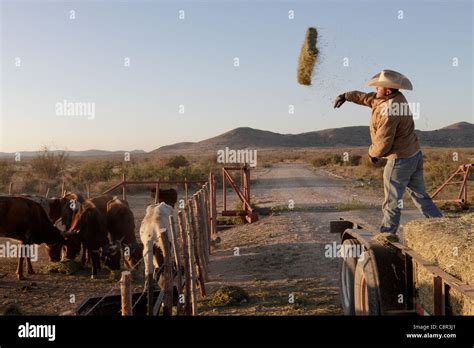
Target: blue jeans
[(398, 175)]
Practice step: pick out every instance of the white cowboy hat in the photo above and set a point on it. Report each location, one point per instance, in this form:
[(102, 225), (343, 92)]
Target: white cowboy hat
[(390, 79)]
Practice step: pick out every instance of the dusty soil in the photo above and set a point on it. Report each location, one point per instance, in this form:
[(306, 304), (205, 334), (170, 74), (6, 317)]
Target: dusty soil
[(280, 260), (281, 257)]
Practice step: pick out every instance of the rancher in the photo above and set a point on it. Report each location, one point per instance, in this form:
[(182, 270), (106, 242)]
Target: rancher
[(392, 132)]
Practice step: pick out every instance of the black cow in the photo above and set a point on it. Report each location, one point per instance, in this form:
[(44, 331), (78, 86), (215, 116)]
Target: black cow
[(90, 224), (169, 196)]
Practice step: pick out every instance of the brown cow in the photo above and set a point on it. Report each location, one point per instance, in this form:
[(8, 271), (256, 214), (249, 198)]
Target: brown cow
[(90, 223), (70, 203), (26, 221), (121, 227)]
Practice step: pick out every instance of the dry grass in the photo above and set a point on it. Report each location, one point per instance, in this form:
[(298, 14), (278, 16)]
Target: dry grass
[(385, 238), (449, 244), (308, 56), (65, 267), (228, 296)]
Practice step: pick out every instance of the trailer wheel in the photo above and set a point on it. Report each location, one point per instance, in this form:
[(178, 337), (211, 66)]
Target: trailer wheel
[(366, 299), (347, 267)]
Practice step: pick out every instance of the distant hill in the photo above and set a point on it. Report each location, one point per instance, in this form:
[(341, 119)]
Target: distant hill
[(86, 153), (455, 135)]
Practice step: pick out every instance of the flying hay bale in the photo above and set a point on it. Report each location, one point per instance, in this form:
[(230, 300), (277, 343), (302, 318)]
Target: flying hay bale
[(449, 244), (308, 56)]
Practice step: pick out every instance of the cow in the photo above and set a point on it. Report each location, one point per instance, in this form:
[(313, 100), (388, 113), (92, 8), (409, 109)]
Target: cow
[(121, 227), (156, 220), (169, 196), (52, 206), (90, 223), (25, 220), (70, 203)]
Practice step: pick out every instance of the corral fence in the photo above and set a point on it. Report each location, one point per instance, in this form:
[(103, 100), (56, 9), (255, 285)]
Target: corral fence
[(185, 266)]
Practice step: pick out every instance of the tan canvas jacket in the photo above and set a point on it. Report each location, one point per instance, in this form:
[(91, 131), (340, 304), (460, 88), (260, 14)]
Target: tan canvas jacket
[(392, 129)]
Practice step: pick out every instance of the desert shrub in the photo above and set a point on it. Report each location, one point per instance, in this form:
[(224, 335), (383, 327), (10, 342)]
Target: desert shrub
[(336, 159), (354, 160), (177, 162), (321, 161), (49, 165), (327, 159), (28, 182), (436, 171), (6, 172), (95, 172)]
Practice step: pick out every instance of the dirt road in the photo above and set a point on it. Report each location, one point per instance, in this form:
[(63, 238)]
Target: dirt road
[(281, 259)]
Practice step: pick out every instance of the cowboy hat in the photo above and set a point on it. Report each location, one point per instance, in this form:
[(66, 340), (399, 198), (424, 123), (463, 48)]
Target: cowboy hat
[(390, 79)]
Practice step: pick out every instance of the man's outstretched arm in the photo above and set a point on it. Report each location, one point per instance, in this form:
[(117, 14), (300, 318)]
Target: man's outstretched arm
[(357, 97)]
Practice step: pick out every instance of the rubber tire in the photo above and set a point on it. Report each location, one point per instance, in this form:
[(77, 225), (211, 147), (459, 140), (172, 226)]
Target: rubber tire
[(365, 271), (347, 266)]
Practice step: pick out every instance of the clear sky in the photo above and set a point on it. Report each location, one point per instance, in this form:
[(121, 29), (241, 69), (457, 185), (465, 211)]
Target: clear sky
[(190, 62)]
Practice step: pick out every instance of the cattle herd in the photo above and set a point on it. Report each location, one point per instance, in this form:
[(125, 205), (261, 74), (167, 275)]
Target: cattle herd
[(103, 228)]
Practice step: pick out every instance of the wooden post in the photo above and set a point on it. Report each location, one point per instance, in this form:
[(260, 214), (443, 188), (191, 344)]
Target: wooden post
[(124, 187), (202, 233), (195, 232), (157, 193), (88, 190), (177, 259), (186, 189), (224, 193), (151, 267), (10, 189), (192, 260), (198, 240), (247, 183), (187, 264), (126, 293), (167, 273), (214, 204), (47, 193), (206, 219), (211, 213)]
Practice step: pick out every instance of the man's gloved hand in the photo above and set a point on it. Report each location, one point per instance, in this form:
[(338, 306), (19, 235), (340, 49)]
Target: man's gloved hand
[(374, 160), (340, 100)]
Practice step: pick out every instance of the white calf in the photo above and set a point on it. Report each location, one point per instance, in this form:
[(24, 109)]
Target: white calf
[(156, 220)]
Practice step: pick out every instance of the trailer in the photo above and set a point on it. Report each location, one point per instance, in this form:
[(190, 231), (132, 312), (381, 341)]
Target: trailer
[(378, 279)]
